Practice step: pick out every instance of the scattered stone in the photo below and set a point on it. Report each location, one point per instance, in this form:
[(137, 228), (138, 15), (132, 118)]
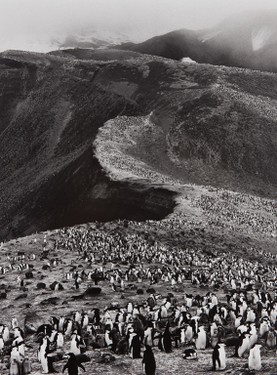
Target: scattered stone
[(50, 301), (105, 358), (29, 275), (41, 285), (20, 296), (92, 291)]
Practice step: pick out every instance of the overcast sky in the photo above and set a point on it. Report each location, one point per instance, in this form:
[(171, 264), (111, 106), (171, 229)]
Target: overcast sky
[(23, 19)]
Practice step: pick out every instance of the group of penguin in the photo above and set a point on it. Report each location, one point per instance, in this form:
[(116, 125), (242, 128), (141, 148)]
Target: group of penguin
[(244, 321), (157, 262)]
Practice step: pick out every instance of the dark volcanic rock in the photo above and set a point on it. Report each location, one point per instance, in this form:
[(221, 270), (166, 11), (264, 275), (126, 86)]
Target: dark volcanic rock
[(92, 291), (41, 285), (29, 275), (20, 296), (50, 301)]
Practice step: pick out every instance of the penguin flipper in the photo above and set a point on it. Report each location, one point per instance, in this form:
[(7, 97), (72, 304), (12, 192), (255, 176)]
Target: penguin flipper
[(64, 368), (82, 367)]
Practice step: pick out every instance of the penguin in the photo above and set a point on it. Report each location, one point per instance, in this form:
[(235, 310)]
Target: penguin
[(68, 327), (162, 314), (243, 344), (264, 328), (201, 339), (188, 334), (14, 323), (271, 339), (27, 368), (45, 360), (60, 340), (108, 340), (149, 361), (19, 344), (42, 355), (61, 324), (219, 357), (253, 335), (6, 334), (166, 343), (130, 307), (148, 336), (72, 365), (84, 321), (254, 359), (17, 361), (190, 354), (77, 317), (76, 343), (214, 335), (14, 370), (135, 347)]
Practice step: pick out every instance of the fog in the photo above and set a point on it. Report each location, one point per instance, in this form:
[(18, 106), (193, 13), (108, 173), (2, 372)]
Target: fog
[(22, 21)]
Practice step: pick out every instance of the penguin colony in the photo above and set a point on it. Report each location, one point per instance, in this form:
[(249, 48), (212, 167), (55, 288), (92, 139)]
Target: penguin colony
[(244, 321)]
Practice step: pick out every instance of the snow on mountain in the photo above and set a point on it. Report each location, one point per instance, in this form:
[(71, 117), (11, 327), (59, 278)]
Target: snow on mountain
[(261, 37)]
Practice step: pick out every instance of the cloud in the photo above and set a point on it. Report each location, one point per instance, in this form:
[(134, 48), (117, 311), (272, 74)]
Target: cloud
[(145, 18)]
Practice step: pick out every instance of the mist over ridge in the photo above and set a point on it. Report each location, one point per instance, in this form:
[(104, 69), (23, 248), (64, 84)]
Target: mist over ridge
[(43, 25)]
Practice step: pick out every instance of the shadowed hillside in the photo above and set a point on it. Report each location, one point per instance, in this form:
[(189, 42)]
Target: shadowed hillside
[(209, 125)]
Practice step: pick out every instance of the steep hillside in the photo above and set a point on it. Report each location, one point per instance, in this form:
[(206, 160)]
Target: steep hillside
[(243, 40), (208, 125), (51, 110)]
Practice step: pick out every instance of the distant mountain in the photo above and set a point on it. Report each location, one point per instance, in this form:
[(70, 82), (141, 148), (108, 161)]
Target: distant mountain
[(93, 39), (89, 38), (246, 40)]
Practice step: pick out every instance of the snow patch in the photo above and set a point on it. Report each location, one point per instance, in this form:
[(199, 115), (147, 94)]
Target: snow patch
[(261, 36), (188, 60)]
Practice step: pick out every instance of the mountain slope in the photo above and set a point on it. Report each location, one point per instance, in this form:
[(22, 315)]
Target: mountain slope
[(245, 40), (209, 125)]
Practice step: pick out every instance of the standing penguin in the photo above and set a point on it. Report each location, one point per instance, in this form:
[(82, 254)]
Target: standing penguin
[(45, 361), (165, 343), (254, 359), (219, 357), (135, 346), (14, 367), (60, 340), (72, 365), (201, 338), (243, 344), (76, 343), (148, 336), (148, 361)]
